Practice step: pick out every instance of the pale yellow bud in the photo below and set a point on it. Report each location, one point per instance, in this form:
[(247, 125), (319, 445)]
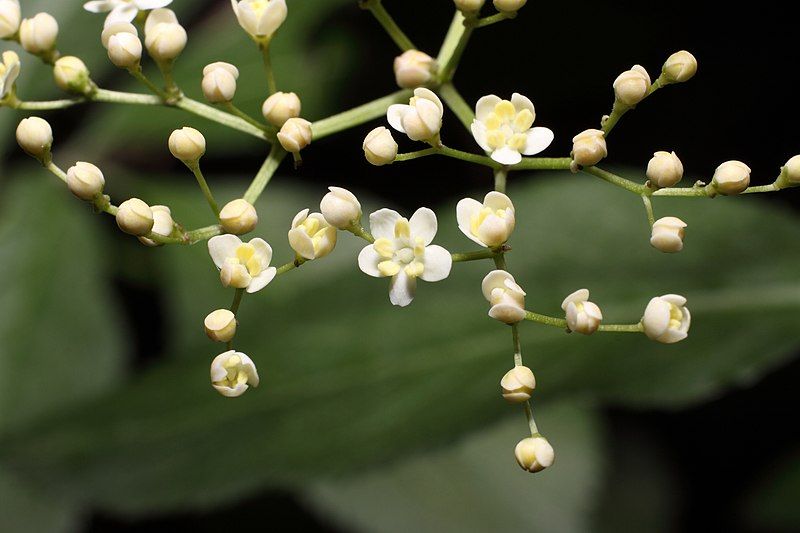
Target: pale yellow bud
[(280, 107), (518, 384), (509, 6), (731, 177), (679, 67), (340, 208), (413, 69), (667, 235), (10, 18), (792, 170), (135, 217), (219, 82), (589, 148), (38, 35), (114, 28), (632, 86), (469, 6), (165, 40), (534, 454), (380, 147), (163, 224), (85, 181), (238, 217), (35, 136), (664, 169), (295, 135), (71, 75), (220, 325), (125, 50), (187, 145)]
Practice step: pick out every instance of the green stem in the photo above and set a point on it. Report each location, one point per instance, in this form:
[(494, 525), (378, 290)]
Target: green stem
[(543, 163), (116, 97), (546, 320), (648, 206), (494, 19), (622, 328), (203, 234), (457, 104), (359, 231), (201, 181), (500, 180), (237, 300), (702, 192), (49, 105), (60, 174), (268, 70), (220, 117), (416, 155), (244, 116), (388, 23), (137, 73), (620, 109), (454, 46), (265, 173), (616, 180), (290, 266), (358, 115), (475, 256)]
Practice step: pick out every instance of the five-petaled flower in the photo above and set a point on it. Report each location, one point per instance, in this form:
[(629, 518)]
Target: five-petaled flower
[(123, 10), (403, 252), (242, 265)]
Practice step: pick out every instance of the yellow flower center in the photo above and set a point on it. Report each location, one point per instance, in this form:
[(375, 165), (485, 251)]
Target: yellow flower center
[(675, 316), (246, 255), (401, 253), (482, 215), (506, 126), (235, 373)]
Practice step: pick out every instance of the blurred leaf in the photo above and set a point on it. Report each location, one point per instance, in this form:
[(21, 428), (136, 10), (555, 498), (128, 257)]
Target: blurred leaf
[(24, 511), (349, 381), (476, 486), (773, 504)]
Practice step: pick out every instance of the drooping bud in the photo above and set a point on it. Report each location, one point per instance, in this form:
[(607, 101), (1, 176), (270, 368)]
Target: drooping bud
[(85, 181), (295, 135), (340, 208), (414, 69), (280, 107), (35, 136), (518, 384), (534, 454), (187, 145), (668, 234), (220, 325), (589, 148)]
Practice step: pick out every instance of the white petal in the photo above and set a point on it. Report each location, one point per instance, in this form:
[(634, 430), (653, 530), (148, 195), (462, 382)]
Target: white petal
[(465, 210), (263, 250), (485, 106), (262, 280), (222, 247), (522, 102), (100, 6), (231, 392), (272, 18), (675, 299), (395, 115), (368, 261), (300, 218), (158, 16), (146, 5), (382, 223), (506, 156), (479, 133), (423, 224), (498, 201), (429, 114), (656, 318), (538, 140), (581, 295), (427, 94), (302, 243), (510, 314), (402, 289), (496, 279), (122, 13), (438, 263)]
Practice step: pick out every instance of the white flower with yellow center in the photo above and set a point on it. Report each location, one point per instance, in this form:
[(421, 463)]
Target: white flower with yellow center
[(421, 119), (667, 319), (403, 251), (123, 10), (582, 315), (9, 72), (232, 373), (490, 223), (311, 236), (242, 265), (260, 18), (505, 129), (506, 297)]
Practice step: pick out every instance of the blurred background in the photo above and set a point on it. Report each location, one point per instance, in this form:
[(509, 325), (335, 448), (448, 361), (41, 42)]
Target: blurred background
[(376, 419)]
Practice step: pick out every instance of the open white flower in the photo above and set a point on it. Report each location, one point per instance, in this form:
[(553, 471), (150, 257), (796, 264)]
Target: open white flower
[(311, 236), (260, 18), (490, 223), (505, 128), (9, 72), (421, 119), (667, 319), (507, 298), (123, 10), (242, 265), (403, 252), (232, 373)]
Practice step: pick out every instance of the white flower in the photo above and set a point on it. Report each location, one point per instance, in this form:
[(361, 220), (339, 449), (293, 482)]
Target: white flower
[(85, 180), (38, 35), (731, 177), (664, 169), (260, 18), (505, 128), (632, 86), (667, 235), (583, 316), (164, 37), (280, 107), (679, 67), (340, 208), (220, 325), (506, 297), (490, 223), (534, 454), (123, 10), (667, 319), (232, 373), (10, 18), (242, 265), (380, 147), (403, 251), (421, 119), (135, 217), (413, 69), (588, 148), (219, 82), (163, 224), (518, 384), (311, 236), (9, 72)]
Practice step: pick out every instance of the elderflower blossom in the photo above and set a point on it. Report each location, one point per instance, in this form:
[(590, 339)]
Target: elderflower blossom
[(242, 265), (490, 223), (311, 236), (123, 10), (421, 119), (232, 373), (667, 319)]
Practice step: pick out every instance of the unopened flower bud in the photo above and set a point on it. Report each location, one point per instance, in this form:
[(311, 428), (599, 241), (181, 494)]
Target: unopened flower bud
[(35, 136), (509, 6), (664, 169), (632, 86), (589, 148), (295, 135), (421, 119), (85, 181), (38, 35), (469, 6), (667, 319), (220, 325), (125, 50), (731, 177), (380, 147), (507, 299), (72, 75), (583, 316), (260, 18), (311, 236), (518, 384), (668, 233), (238, 217), (280, 107), (413, 69), (534, 454), (187, 145), (163, 224), (791, 172), (10, 18), (340, 208), (113, 28), (219, 82), (135, 217), (164, 38), (232, 373), (679, 67)]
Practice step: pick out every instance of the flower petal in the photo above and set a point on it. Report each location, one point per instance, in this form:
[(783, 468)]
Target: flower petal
[(395, 115), (438, 263), (523, 102), (423, 224), (146, 5), (264, 251), (498, 201), (368, 261), (496, 279), (222, 247), (538, 140), (426, 94), (272, 17), (262, 280), (121, 13), (100, 6), (581, 295), (506, 156), (158, 16), (465, 210), (302, 243), (402, 289), (382, 223), (485, 106), (479, 133), (300, 218)]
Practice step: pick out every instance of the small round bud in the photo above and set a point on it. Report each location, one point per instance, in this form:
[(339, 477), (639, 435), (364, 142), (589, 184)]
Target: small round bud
[(731, 177), (679, 67), (668, 233), (85, 181), (534, 454), (124, 50), (589, 148), (295, 135), (469, 6), (413, 69), (667, 319), (163, 224), (219, 82), (664, 169), (791, 170), (38, 35), (238, 217), (280, 107), (187, 145), (380, 147), (164, 38), (35, 136), (220, 325), (135, 217), (632, 86), (340, 208), (10, 18), (518, 384), (582, 315), (71, 75), (509, 6)]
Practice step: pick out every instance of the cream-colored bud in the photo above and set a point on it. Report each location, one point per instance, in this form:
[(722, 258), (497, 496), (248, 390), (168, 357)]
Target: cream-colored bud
[(791, 170), (164, 38), (582, 315), (220, 325), (632, 86), (311, 236), (413, 69), (667, 319), (664, 169), (469, 6), (35, 136), (731, 177), (340, 208), (38, 35), (506, 297), (85, 181), (163, 224), (113, 28), (679, 67), (518, 384), (135, 217), (509, 6), (124, 49), (534, 454), (668, 234), (260, 18), (280, 107), (71, 75), (10, 18), (295, 135), (589, 148), (187, 145), (238, 217), (219, 82), (380, 147)]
